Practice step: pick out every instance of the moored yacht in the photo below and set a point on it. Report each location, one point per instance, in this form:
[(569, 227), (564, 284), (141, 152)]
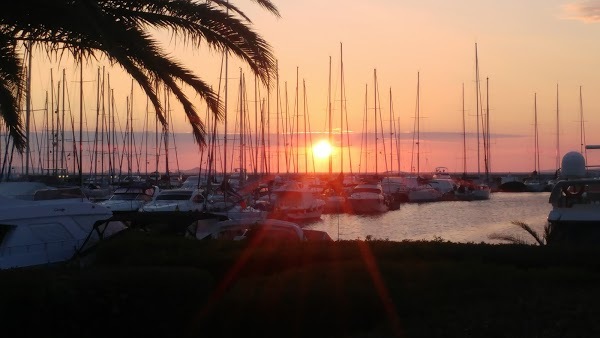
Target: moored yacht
[(130, 198), (419, 190), (396, 187), (534, 183), (367, 198), (510, 183), (176, 200), (295, 202), (47, 225), (335, 201), (267, 230), (575, 200), (472, 191)]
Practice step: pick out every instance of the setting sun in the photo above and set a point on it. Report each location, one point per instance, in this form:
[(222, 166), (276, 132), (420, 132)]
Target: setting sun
[(322, 149)]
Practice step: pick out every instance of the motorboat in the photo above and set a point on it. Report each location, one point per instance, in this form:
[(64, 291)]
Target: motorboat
[(176, 200), (96, 192), (335, 201), (441, 172), (130, 198), (419, 190), (233, 207), (424, 193), (396, 187), (534, 184), (44, 225), (295, 202), (367, 198), (511, 183), (575, 201), (261, 230), (193, 182), (446, 185), (472, 191)]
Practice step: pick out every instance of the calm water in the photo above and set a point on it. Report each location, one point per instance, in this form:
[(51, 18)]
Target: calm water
[(456, 221)]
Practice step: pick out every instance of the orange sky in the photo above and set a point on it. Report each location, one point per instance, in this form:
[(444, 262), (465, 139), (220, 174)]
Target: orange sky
[(524, 48)]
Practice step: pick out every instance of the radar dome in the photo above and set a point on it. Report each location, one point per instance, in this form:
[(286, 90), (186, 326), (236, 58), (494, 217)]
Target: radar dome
[(573, 165)]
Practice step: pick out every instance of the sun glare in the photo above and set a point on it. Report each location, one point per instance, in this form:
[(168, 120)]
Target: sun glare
[(322, 149)]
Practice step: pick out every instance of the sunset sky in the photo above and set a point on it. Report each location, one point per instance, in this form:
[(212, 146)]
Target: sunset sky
[(525, 48)]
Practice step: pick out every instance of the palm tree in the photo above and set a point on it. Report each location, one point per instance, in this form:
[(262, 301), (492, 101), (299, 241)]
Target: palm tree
[(120, 31), (539, 239)]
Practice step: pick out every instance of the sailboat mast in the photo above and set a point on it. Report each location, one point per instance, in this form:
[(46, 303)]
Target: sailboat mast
[(557, 163), (28, 109), (486, 140), (226, 89), (50, 124), (535, 135), (268, 150), (418, 124), (330, 119), (342, 101), (241, 123), (80, 120), (286, 128), (277, 114), (297, 111), (256, 125), (375, 105), (94, 155), (478, 109), (62, 123), (166, 134), (305, 140), (112, 133), (131, 136), (582, 125), (464, 133), (364, 140), (391, 134), (265, 157)]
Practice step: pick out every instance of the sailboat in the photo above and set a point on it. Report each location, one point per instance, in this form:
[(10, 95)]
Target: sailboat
[(468, 190), (419, 189), (392, 183), (334, 194), (369, 197), (550, 184), (533, 183)]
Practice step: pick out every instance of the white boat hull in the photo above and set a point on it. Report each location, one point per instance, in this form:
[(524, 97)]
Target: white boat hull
[(299, 215), (364, 206), (49, 231)]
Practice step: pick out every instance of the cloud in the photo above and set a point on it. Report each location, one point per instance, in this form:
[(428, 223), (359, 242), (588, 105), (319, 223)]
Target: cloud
[(586, 11)]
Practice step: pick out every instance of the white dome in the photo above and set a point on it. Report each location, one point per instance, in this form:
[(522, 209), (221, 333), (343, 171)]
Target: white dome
[(573, 165)]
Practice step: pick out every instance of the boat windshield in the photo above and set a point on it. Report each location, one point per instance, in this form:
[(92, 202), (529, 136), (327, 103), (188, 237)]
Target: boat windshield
[(124, 197), (369, 190), (179, 196), (56, 194)]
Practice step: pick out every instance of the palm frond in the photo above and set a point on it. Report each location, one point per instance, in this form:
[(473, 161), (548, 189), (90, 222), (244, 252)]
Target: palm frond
[(529, 230), (200, 22), (508, 238), (11, 88), (117, 29), (266, 4)]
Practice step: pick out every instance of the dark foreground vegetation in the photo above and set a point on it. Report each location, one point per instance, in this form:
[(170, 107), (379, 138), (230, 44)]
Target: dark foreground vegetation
[(140, 284)]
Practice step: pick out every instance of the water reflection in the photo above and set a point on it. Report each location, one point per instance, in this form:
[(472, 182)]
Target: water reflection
[(455, 221)]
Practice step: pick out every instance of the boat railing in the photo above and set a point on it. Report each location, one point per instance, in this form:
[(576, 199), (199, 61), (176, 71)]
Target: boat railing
[(45, 247)]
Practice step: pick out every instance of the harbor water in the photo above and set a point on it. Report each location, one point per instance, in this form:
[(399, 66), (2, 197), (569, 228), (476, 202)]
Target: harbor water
[(454, 221)]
